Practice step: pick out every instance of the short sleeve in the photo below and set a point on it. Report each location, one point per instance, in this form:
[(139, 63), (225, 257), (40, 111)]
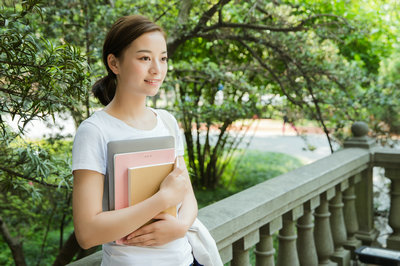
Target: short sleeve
[(89, 149), (171, 124), (179, 146)]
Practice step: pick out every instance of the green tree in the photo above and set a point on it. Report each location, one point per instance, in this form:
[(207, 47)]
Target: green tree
[(39, 79), (372, 44), (276, 49), (383, 96)]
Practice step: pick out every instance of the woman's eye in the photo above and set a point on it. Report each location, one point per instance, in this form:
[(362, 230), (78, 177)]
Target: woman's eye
[(165, 59), (145, 58)]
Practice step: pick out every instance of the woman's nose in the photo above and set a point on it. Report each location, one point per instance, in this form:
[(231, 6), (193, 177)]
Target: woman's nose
[(155, 67)]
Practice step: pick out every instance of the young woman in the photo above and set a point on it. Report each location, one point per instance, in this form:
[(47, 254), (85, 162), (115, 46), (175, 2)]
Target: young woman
[(135, 56)]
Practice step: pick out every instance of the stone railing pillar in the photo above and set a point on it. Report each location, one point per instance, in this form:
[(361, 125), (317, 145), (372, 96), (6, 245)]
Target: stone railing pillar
[(363, 190), (322, 230), (287, 252), (338, 227), (241, 249), (305, 241), (265, 249), (364, 209), (393, 242), (350, 215), (360, 138)]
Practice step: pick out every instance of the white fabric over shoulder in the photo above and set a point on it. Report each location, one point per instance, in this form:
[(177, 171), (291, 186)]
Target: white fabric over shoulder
[(205, 249)]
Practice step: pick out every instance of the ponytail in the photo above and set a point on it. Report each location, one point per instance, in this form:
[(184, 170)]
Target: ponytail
[(104, 89)]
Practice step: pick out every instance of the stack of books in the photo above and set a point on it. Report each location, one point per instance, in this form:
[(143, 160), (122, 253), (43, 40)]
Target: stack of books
[(136, 168)]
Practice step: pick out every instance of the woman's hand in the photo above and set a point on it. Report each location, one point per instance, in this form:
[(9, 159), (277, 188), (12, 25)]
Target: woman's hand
[(166, 229), (174, 187)]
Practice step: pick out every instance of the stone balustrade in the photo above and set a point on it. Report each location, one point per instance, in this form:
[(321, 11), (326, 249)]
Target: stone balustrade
[(318, 214)]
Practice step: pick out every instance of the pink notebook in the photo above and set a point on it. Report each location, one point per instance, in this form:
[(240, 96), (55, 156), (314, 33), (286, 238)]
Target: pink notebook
[(122, 162)]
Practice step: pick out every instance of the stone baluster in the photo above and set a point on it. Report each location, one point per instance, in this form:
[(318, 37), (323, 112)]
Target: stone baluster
[(265, 249), (305, 241), (287, 252), (350, 215), (226, 253), (241, 249), (338, 228), (364, 201), (393, 241), (364, 209), (322, 230)]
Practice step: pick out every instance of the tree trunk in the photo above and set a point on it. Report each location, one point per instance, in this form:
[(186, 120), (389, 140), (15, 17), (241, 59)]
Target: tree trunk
[(184, 11), (68, 251), (14, 244)]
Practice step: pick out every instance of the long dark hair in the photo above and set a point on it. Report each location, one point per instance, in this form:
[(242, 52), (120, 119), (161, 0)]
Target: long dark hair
[(122, 33)]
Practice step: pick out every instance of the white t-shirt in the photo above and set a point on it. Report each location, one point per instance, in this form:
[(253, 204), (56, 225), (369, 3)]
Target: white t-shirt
[(90, 152)]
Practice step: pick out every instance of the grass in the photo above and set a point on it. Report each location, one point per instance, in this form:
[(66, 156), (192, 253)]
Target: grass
[(246, 170)]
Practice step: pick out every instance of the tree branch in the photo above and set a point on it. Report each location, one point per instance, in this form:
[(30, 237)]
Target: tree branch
[(299, 27), (32, 96), (11, 172), (258, 58), (261, 62), (319, 113), (209, 14), (267, 15), (173, 44), (252, 26), (277, 79), (20, 64), (165, 11)]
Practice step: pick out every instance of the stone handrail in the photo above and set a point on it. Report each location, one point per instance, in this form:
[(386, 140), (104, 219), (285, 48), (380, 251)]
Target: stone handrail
[(267, 204), (326, 187), (319, 213)]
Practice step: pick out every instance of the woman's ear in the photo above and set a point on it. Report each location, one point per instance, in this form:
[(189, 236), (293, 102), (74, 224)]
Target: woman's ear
[(112, 62)]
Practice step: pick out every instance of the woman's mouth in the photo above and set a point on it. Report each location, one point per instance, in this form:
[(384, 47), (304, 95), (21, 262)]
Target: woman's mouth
[(153, 81)]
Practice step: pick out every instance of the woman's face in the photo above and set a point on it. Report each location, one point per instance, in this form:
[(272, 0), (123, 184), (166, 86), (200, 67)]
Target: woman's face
[(143, 65)]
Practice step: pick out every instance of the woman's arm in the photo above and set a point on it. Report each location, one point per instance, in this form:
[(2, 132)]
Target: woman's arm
[(94, 227), (168, 228)]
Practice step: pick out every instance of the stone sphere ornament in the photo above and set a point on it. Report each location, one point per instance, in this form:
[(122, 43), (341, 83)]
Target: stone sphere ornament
[(359, 129)]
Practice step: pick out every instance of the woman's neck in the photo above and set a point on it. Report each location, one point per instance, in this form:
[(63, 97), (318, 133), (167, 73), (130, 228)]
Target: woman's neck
[(132, 110), (127, 104), (128, 109)]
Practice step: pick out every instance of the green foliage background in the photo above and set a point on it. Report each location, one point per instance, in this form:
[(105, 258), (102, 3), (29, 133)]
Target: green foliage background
[(331, 62)]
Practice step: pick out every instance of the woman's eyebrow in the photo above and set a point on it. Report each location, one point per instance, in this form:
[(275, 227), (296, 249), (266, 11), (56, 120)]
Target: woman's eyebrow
[(148, 51)]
